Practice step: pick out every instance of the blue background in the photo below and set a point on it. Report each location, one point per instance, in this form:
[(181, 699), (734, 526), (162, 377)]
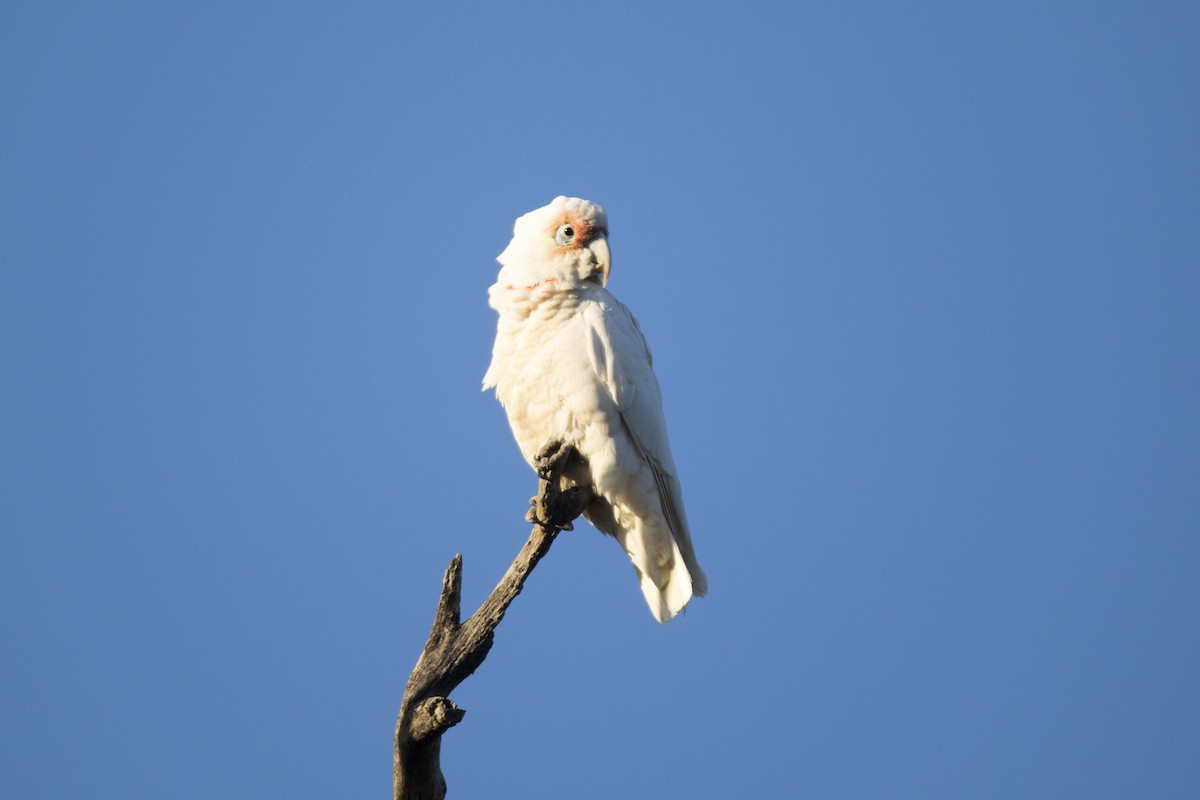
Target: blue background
[(923, 287)]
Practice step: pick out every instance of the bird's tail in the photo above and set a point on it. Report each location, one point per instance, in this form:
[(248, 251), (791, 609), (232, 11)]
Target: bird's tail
[(665, 580)]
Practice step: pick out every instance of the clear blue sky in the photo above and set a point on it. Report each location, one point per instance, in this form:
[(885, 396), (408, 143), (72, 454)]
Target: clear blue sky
[(923, 286)]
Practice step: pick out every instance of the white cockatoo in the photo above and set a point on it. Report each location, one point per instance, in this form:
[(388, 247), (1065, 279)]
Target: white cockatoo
[(571, 364)]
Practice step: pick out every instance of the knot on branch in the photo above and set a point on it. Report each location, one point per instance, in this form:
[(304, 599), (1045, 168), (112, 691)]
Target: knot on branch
[(435, 715)]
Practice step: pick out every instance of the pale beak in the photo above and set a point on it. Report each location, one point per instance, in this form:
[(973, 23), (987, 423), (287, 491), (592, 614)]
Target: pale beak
[(599, 248)]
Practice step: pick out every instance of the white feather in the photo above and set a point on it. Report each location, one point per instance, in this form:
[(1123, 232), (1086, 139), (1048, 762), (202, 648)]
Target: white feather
[(571, 363)]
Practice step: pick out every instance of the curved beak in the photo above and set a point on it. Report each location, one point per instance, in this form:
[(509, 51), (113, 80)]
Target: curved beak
[(599, 248)]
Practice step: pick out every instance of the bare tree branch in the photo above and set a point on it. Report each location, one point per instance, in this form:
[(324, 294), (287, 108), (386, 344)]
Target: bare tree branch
[(455, 650)]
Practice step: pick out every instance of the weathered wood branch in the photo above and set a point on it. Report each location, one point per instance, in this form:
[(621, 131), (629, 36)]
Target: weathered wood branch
[(456, 649)]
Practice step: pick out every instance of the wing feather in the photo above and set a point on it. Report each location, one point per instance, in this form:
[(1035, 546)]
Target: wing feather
[(622, 361)]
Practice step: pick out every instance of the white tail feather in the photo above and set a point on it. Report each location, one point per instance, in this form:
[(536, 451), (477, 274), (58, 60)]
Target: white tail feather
[(667, 589)]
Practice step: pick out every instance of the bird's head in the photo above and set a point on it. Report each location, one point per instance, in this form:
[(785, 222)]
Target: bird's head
[(568, 238)]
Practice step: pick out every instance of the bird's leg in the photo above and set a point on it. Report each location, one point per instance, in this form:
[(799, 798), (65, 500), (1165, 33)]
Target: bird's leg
[(554, 506)]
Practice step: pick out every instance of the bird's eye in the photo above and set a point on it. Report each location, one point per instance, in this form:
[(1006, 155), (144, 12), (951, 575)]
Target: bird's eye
[(565, 233)]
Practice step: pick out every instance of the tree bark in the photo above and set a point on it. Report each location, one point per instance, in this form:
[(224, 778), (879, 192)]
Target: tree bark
[(456, 649)]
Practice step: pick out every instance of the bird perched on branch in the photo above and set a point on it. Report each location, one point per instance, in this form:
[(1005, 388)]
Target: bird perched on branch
[(570, 365)]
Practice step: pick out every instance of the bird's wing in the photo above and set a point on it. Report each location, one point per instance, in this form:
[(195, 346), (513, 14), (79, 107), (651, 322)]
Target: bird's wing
[(622, 362)]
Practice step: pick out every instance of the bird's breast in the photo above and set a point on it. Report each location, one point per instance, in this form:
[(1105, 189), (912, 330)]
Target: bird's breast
[(544, 376)]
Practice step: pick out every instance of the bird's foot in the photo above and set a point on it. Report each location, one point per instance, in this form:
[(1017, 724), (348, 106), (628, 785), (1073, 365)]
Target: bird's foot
[(568, 505), (552, 459), (554, 506), (533, 515), (557, 509)]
